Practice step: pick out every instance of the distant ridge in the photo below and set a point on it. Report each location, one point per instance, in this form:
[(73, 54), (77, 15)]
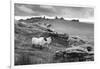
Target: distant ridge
[(80, 19)]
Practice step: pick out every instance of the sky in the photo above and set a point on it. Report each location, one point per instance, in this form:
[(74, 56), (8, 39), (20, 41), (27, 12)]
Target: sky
[(68, 12)]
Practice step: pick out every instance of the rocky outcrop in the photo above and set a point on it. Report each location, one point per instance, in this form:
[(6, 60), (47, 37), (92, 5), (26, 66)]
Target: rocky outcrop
[(73, 54)]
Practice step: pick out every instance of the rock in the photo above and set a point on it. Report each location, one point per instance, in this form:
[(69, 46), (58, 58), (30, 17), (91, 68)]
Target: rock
[(74, 54), (88, 47), (75, 41)]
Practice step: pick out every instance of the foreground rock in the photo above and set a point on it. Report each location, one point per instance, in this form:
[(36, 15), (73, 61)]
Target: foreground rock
[(75, 54)]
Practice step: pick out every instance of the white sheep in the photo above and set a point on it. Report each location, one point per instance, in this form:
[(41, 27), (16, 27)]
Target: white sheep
[(41, 41), (38, 41)]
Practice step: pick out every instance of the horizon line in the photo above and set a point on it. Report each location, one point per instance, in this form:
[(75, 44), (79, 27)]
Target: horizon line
[(80, 19)]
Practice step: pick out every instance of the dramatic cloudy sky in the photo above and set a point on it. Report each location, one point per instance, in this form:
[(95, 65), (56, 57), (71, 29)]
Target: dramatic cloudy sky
[(51, 11)]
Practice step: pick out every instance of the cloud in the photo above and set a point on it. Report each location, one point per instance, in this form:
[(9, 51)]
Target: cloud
[(77, 12), (52, 11), (25, 9), (48, 7)]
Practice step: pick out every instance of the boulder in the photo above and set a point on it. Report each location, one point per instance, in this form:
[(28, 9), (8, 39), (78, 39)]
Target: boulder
[(74, 54)]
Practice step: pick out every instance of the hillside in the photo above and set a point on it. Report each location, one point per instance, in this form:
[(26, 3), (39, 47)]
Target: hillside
[(25, 30)]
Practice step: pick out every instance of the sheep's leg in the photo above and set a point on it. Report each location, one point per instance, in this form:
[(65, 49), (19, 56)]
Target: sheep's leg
[(33, 45), (40, 46), (48, 46)]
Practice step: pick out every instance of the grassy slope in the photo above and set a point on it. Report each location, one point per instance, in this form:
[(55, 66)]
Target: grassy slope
[(72, 28), (24, 33)]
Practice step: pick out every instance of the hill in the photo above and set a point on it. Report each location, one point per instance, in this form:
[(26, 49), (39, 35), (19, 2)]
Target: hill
[(24, 31)]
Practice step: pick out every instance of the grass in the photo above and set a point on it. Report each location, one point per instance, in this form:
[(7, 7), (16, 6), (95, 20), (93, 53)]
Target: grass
[(25, 54)]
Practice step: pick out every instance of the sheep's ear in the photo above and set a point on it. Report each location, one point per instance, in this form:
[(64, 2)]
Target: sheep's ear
[(45, 39)]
